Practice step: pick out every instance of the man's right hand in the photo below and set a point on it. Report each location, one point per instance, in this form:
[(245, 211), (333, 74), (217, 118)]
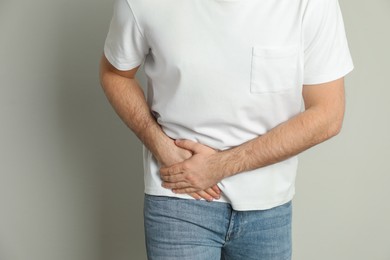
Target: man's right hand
[(175, 154), (127, 98)]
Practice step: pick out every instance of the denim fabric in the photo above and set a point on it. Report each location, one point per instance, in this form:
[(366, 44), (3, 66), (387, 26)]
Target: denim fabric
[(188, 229)]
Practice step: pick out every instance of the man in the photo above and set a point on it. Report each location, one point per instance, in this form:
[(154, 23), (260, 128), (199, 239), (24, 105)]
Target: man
[(223, 122)]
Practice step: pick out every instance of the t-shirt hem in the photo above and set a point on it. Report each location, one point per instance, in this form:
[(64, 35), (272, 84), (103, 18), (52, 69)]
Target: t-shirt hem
[(158, 192), (235, 206), (262, 206), (120, 65), (318, 79)]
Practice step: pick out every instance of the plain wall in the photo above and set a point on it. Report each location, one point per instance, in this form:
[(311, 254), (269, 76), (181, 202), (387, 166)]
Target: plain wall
[(71, 179)]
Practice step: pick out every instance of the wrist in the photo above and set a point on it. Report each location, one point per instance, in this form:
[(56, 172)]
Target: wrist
[(226, 163), (157, 141), (163, 147), (218, 164)]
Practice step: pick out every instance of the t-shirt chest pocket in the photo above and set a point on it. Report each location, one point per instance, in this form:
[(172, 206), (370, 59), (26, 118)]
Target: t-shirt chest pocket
[(274, 69)]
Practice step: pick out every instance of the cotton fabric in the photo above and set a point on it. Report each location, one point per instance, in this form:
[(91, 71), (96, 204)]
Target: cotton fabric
[(223, 72)]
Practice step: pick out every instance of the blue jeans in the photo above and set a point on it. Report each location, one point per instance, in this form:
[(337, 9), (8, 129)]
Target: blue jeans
[(189, 229)]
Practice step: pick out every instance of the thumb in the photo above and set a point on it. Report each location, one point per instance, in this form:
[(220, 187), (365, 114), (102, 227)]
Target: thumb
[(189, 145)]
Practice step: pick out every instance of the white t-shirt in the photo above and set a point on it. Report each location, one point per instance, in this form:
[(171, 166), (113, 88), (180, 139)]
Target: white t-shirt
[(222, 72)]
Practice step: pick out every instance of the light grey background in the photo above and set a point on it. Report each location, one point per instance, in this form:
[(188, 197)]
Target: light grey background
[(71, 178)]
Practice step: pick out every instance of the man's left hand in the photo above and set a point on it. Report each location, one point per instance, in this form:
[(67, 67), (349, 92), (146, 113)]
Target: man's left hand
[(199, 172)]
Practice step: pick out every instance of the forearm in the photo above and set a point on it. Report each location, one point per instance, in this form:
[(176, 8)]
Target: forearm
[(128, 101), (288, 139), (322, 119)]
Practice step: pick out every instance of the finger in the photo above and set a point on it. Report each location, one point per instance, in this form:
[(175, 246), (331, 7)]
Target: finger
[(172, 170), (216, 189), (212, 193), (173, 178), (195, 195), (185, 190), (189, 145), (176, 185), (205, 195)]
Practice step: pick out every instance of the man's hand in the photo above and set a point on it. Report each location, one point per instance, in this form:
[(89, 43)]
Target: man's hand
[(175, 155), (321, 120), (195, 174), (127, 98)]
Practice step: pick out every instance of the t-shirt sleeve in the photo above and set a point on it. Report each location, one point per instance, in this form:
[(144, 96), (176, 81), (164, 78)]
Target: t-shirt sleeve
[(326, 52), (125, 47)]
